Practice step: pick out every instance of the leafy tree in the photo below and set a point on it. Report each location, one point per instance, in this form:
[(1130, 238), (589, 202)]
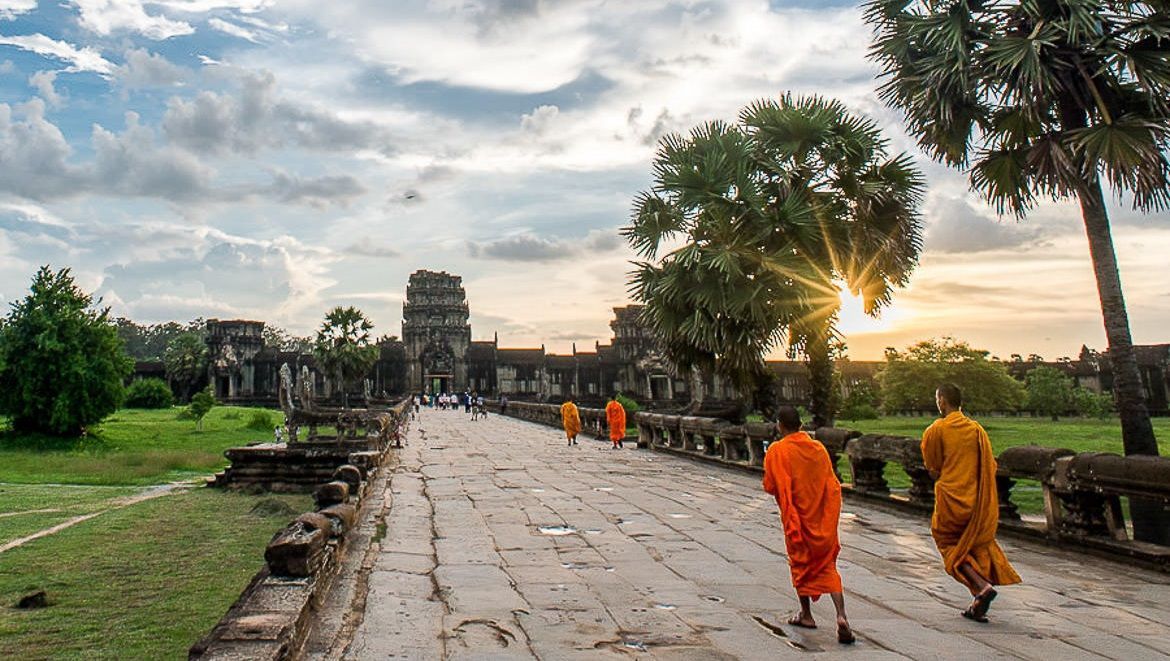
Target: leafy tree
[(149, 394), (278, 338), (150, 342), (1050, 391), (343, 347), (861, 402), (772, 213), (186, 359), (909, 378), (201, 404), (61, 362), (1092, 404), (1045, 98)]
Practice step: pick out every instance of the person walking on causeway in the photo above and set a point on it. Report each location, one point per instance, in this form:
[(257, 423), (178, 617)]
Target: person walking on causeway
[(571, 420), (799, 474), (958, 455), (615, 415)]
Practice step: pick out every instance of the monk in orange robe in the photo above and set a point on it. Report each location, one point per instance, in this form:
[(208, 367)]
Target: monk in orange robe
[(571, 420), (799, 473), (958, 455), (615, 415)]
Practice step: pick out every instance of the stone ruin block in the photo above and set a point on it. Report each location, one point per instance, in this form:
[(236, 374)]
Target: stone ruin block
[(342, 518), (349, 474), (331, 493), (299, 549)]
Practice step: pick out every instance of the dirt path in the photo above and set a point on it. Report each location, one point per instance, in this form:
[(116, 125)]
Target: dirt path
[(148, 493)]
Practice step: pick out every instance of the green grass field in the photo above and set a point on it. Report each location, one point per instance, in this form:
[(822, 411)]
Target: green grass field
[(143, 582), (132, 447), (140, 581)]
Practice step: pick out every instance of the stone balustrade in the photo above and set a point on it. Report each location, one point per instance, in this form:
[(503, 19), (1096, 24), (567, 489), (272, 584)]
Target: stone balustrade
[(1082, 492)]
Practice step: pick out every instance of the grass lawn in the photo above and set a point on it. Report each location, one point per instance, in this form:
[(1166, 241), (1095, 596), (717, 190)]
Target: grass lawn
[(1075, 434), (143, 582), (132, 447)]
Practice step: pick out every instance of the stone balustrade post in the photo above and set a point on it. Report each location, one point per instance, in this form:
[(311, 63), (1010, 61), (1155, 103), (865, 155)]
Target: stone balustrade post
[(1008, 511)]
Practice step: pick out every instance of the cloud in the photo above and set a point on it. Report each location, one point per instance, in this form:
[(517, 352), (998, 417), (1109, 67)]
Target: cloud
[(234, 30), (145, 69), (80, 59), (365, 247), (42, 81), (528, 247), (34, 154), (7, 66), (316, 191), (10, 9), (256, 118), (105, 17), (36, 161), (539, 120), (955, 225)]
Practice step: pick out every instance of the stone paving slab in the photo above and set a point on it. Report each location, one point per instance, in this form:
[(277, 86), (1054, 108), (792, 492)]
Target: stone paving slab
[(503, 543)]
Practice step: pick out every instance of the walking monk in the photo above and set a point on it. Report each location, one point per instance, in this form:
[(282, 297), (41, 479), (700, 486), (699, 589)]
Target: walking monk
[(571, 419), (958, 455), (799, 473), (615, 415)]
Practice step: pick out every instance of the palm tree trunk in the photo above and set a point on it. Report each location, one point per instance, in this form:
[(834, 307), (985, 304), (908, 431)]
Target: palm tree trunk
[(1150, 522), (820, 376)]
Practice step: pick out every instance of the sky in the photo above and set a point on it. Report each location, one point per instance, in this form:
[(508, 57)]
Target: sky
[(270, 160)]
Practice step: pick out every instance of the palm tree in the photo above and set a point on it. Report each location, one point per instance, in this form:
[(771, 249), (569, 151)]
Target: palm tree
[(751, 229), (343, 348), (1045, 98)]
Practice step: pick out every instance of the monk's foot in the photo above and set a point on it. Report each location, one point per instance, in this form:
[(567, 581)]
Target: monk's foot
[(982, 602), (844, 632), (802, 620)]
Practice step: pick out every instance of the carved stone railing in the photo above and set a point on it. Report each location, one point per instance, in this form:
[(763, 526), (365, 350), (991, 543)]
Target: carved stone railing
[(272, 617), (868, 455)]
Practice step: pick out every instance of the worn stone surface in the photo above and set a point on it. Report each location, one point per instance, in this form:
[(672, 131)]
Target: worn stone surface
[(501, 542), (298, 549)]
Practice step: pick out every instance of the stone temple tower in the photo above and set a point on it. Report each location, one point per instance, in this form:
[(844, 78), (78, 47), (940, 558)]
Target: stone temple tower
[(435, 332)]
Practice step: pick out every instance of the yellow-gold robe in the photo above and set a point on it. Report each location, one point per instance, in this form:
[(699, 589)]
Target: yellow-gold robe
[(966, 504)]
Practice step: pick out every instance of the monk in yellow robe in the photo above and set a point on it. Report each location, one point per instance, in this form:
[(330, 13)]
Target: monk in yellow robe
[(957, 452), (571, 420), (799, 474), (615, 415)]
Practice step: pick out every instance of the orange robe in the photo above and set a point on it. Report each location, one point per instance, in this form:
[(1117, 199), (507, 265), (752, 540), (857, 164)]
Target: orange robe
[(799, 473), (571, 419), (615, 415), (966, 504)]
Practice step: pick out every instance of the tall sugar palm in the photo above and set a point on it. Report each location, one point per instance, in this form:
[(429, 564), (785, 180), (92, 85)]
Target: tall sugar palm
[(1045, 98), (751, 228)]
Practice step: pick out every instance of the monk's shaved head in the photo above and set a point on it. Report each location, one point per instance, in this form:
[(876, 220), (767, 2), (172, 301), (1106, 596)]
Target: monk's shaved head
[(788, 418), (950, 393)]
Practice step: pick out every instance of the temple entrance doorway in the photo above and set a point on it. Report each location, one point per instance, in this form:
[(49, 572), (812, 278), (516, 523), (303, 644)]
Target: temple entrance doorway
[(660, 387), (439, 383)]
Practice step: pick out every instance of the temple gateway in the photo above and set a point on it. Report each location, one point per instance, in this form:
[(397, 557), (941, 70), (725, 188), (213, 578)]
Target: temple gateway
[(437, 355)]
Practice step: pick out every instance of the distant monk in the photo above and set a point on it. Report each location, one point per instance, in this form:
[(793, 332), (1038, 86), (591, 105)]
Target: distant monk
[(615, 415), (799, 473), (571, 419), (958, 455)]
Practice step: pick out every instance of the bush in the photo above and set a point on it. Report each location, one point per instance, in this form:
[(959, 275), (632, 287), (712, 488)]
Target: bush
[(628, 404), (149, 394), (860, 411), (260, 421), (1091, 404)]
